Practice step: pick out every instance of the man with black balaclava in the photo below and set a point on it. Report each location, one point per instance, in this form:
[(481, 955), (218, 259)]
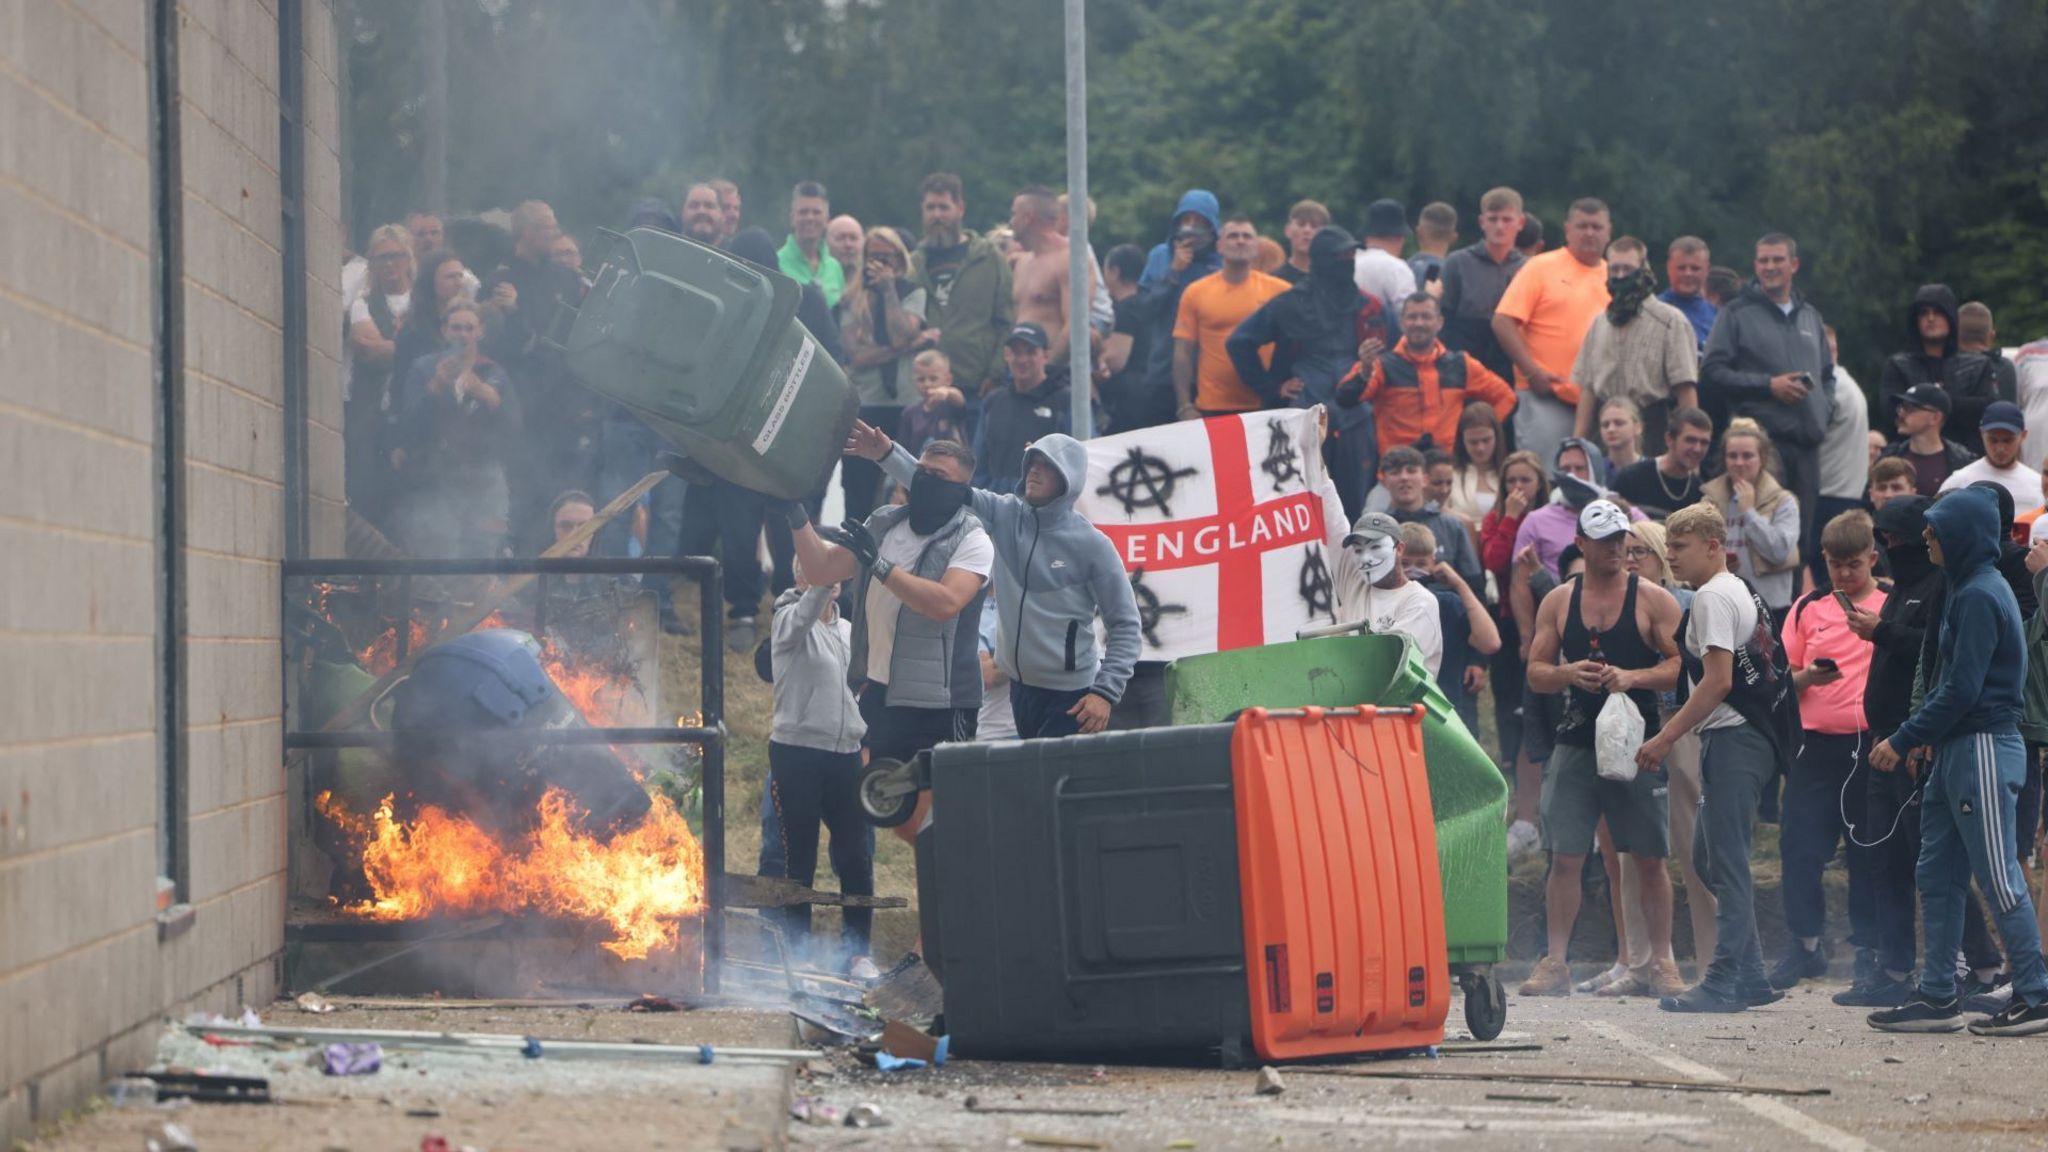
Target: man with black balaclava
[(1933, 356), (1318, 330), (1640, 348), (920, 570)]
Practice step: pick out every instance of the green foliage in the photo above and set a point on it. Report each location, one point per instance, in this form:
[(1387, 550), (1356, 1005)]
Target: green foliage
[(1900, 140)]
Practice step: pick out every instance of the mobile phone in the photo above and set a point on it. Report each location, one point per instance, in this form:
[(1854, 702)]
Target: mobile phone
[(1842, 598), (1825, 664), (1805, 378)]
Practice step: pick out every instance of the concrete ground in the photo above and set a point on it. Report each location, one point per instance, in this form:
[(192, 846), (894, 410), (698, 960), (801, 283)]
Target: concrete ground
[(1959, 1093), (1884, 1092)]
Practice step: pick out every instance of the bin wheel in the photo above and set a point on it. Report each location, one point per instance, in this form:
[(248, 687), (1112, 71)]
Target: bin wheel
[(888, 792), (1486, 1005)]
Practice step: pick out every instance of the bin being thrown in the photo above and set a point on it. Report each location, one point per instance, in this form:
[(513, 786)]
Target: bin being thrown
[(708, 351)]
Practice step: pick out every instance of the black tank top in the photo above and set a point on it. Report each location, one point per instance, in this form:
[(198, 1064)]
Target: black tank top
[(1622, 646)]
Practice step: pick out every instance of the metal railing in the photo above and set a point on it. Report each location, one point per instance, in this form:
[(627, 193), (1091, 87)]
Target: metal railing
[(708, 734)]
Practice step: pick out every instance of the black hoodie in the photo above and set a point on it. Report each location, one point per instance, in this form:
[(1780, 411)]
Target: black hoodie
[(1902, 624), (1314, 329), (1971, 379)]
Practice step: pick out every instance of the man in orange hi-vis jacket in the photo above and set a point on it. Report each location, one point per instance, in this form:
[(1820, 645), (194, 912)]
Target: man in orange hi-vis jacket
[(1420, 388)]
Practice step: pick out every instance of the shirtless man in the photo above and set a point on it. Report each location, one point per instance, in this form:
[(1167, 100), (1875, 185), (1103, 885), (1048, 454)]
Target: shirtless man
[(1040, 287)]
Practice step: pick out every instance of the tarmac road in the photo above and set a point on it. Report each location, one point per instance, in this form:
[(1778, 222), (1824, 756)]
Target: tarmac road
[(1956, 1092)]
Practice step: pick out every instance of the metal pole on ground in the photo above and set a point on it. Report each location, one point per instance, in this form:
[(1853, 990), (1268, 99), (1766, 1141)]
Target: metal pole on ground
[(1078, 264)]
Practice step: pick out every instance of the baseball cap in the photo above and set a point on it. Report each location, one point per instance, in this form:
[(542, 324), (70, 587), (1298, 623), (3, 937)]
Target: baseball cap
[(1373, 526), (1927, 396), (2005, 416), (1602, 519), (1029, 333), (1386, 218)]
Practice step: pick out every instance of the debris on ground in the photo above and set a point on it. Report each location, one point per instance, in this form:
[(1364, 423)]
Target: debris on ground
[(171, 1138), (866, 1116), (649, 1002), (207, 1087), (974, 1104), (1036, 1141), (351, 1059), (313, 1002), (1269, 1082)]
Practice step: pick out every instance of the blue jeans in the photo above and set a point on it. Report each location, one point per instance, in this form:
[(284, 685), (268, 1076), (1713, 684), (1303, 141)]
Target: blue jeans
[(1966, 830)]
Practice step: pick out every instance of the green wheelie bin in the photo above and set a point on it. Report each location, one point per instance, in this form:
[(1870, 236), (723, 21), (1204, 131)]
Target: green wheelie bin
[(1467, 793), (709, 352)]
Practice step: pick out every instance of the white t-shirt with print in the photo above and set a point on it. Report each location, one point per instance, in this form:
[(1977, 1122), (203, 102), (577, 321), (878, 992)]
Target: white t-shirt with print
[(1410, 610), (1724, 617), (900, 546)]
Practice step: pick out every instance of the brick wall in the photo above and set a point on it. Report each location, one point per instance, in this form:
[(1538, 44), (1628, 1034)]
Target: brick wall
[(84, 976)]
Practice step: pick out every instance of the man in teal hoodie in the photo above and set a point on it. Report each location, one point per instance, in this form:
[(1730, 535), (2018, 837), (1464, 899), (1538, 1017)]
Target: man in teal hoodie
[(1054, 574), (1970, 719)]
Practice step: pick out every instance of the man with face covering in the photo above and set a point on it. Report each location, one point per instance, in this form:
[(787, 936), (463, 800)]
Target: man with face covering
[(1055, 574), (1640, 348), (1318, 330), (919, 570), (1373, 589)]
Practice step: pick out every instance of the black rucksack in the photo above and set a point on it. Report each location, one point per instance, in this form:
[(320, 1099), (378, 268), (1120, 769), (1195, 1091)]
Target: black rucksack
[(1761, 690)]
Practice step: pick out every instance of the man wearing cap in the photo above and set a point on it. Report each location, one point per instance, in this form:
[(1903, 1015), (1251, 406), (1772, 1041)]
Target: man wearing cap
[(1373, 590), (1032, 404), (1606, 632), (2005, 433), (1381, 273), (1923, 413)]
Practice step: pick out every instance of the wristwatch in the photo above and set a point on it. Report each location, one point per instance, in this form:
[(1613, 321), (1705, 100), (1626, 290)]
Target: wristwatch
[(882, 569)]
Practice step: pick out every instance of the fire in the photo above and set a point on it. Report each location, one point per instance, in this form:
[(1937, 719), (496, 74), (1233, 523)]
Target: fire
[(643, 883), (381, 655)]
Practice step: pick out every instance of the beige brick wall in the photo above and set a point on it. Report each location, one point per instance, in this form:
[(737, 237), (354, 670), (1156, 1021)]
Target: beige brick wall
[(84, 977)]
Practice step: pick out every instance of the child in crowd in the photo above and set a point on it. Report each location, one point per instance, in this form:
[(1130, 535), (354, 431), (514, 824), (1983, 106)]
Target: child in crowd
[(940, 412)]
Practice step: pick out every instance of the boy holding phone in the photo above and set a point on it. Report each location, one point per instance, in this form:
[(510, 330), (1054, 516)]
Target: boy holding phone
[(1830, 664)]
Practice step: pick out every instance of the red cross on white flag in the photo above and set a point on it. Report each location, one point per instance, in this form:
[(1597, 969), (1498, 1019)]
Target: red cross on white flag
[(1228, 526)]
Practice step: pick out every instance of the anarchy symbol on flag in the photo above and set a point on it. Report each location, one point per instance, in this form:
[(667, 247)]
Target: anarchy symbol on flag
[(1226, 526)]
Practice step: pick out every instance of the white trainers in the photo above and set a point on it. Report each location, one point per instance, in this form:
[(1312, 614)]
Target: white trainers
[(1612, 975), (1523, 840)]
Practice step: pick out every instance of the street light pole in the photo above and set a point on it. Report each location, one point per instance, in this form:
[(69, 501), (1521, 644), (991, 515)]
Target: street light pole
[(1079, 267)]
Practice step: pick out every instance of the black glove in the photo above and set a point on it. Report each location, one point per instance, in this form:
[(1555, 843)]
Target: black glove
[(860, 542), (792, 511)]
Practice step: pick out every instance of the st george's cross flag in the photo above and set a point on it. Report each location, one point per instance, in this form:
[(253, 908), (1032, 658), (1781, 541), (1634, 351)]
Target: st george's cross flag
[(1229, 528)]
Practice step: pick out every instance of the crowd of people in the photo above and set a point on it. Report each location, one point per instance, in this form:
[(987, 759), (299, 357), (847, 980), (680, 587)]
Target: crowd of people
[(1573, 486)]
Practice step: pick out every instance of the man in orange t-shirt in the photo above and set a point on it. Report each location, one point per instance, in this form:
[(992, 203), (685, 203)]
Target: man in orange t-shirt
[(1204, 382), (1420, 389), (1542, 319)]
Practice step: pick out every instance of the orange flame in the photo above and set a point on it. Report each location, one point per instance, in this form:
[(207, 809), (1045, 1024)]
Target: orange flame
[(643, 883)]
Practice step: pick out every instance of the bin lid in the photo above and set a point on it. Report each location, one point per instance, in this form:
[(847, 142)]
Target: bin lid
[(676, 328)]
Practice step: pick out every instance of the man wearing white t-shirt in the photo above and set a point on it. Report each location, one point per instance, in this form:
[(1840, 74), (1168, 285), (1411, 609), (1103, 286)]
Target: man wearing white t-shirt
[(1372, 589), (1736, 756), (2005, 437), (921, 569)]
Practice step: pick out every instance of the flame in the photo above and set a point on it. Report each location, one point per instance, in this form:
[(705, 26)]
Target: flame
[(643, 883), (381, 655)]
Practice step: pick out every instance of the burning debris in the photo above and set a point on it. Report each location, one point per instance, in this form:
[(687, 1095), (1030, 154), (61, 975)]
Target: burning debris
[(470, 826), (643, 882)]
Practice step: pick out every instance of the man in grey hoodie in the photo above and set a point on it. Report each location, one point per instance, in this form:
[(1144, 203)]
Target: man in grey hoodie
[(1054, 574)]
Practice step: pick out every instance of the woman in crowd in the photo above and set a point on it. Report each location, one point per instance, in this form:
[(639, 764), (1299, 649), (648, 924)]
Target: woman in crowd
[(1523, 486), (442, 281), (1621, 434), (1476, 483), (374, 317), (1763, 518), (460, 420), (881, 322)]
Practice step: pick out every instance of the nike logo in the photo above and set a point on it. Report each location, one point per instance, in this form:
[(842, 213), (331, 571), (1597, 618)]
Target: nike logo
[(1059, 564)]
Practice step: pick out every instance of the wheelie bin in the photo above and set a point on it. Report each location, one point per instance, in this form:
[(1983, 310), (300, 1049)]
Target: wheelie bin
[(708, 351), (1263, 887), (1467, 793)]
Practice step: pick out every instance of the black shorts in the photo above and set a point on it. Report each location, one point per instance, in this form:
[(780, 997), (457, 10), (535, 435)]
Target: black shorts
[(896, 733)]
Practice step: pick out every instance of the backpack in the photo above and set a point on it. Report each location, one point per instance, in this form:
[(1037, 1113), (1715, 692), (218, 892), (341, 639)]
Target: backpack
[(1761, 691)]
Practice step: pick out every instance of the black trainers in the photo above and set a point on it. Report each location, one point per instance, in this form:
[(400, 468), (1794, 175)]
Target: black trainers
[(1879, 992), (1969, 988), (2018, 1019), (1700, 998), (1920, 1015), (1989, 1003), (1800, 964), (1759, 994)]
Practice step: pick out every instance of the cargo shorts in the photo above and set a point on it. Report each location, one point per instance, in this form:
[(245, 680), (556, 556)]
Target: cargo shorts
[(1575, 797)]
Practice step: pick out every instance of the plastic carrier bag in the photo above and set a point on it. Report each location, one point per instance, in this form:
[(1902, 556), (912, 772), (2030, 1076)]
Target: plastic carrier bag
[(1617, 735)]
